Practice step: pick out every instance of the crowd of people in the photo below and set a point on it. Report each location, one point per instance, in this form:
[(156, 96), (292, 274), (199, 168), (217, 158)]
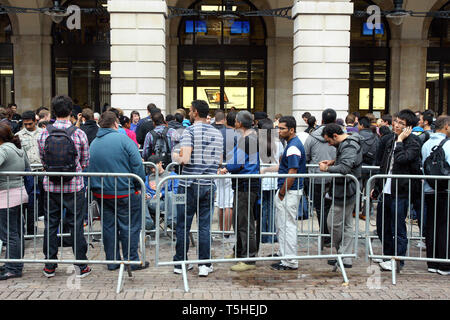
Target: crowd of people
[(72, 139)]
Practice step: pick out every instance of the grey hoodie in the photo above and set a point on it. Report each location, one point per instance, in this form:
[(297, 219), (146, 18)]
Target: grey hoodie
[(12, 159), (348, 161), (317, 149)]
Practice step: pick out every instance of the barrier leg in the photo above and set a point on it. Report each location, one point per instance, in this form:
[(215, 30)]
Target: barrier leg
[(394, 269), (341, 266), (1, 246), (120, 281), (185, 281), (191, 237), (130, 274)]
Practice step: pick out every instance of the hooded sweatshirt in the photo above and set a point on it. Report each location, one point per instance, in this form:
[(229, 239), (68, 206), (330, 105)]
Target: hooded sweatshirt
[(317, 149), (348, 161), (12, 159), (114, 152)]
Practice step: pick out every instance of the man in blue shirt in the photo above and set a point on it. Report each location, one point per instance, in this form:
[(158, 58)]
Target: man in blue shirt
[(290, 190), (245, 161), (437, 234)]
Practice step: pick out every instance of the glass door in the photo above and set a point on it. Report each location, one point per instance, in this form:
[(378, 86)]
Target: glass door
[(236, 85), (208, 83)]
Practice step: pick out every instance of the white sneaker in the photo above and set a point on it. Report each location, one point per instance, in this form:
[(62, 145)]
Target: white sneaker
[(180, 270), (421, 245), (386, 265), (443, 273), (203, 270), (377, 260), (431, 270)]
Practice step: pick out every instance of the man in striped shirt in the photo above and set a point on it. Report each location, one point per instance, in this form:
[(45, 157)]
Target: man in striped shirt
[(71, 193), (200, 154)]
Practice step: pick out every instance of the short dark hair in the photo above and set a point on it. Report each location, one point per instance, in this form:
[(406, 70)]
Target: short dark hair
[(42, 124), (150, 106), (290, 122), (62, 106), (179, 117), (364, 122), (29, 115), (107, 119), (158, 119), (201, 107), (409, 117), (332, 128), (384, 130), (387, 118), (428, 117), (350, 119), (124, 120), (155, 110), (219, 115), (88, 114), (311, 121), (116, 112), (231, 118), (441, 122), (170, 117), (356, 114), (306, 115), (133, 113), (329, 116)]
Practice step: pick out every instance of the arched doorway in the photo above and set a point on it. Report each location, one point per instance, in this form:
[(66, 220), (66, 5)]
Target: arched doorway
[(222, 61), (81, 58), (6, 62), (369, 64), (437, 97)]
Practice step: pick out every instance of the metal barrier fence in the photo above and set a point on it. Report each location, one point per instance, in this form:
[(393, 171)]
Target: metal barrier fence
[(401, 195), (343, 236), (66, 215)]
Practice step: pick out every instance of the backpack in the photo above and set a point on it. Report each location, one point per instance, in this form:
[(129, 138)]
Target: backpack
[(436, 165), (160, 146), (60, 153), (369, 149)]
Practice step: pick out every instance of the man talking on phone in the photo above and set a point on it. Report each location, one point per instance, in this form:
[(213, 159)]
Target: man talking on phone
[(401, 155)]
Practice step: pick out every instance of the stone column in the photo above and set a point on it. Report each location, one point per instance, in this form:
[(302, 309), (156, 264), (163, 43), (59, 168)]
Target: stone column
[(138, 54), (32, 71), (408, 74), (321, 57)]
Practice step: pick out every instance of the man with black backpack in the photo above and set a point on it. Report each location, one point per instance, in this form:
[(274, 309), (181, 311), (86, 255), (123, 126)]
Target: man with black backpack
[(64, 148), (436, 161), (160, 140)]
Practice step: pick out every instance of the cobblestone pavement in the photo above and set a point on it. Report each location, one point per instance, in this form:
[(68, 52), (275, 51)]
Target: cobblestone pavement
[(314, 280)]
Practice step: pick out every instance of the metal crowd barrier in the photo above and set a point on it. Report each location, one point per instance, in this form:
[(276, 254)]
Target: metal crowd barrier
[(396, 227), (308, 234), (118, 221)]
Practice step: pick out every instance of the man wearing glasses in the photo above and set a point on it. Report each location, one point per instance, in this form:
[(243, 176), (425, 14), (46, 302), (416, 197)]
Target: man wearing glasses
[(401, 155)]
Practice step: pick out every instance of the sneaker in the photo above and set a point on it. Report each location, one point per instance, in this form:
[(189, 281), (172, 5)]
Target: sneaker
[(229, 256), (140, 267), (386, 266), (280, 267), (242, 266), (84, 272), (203, 270), (179, 270), (377, 260), (443, 273), (432, 270), (421, 245), (362, 217), (49, 272), (9, 275)]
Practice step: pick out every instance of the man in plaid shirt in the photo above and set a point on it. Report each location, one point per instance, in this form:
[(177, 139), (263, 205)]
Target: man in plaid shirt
[(72, 193), (172, 135)]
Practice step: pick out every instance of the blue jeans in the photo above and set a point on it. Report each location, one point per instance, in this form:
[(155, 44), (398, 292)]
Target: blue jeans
[(171, 213), (392, 229), (268, 212), (186, 212), (126, 231), (12, 236)]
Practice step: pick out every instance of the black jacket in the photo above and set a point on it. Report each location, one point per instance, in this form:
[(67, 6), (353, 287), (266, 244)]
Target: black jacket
[(142, 131), (90, 127), (175, 125), (407, 160)]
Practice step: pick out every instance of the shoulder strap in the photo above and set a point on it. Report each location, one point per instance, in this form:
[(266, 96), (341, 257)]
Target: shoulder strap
[(441, 145), (50, 128)]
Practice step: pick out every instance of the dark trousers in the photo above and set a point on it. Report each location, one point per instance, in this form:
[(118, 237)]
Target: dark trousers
[(121, 225), (201, 197), (11, 233), (35, 207), (322, 207), (73, 203), (244, 224), (391, 226), (437, 233)]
